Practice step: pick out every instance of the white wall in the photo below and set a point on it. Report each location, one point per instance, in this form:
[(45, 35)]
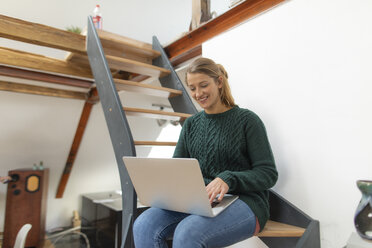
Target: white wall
[(305, 68), (35, 128)]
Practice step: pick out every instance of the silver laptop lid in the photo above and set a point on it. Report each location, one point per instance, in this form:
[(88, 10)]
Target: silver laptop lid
[(172, 183)]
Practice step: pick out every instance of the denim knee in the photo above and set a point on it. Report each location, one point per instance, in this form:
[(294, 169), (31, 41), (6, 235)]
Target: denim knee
[(154, 226), (145, 234), (186, 236), (236, 223), (140, 233)]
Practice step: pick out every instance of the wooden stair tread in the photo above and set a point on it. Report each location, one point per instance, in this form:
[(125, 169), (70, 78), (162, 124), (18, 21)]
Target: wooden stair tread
[(133, 66), (158, 114), (147, 89), (155, 143), (123, 45), (119, 46), (277, 229)]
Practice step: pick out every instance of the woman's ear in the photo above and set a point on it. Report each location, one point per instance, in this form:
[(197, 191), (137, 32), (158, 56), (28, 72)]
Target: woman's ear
[(219, 80)]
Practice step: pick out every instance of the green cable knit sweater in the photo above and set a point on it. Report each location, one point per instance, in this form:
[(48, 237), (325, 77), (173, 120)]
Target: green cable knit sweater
[(233, 146)]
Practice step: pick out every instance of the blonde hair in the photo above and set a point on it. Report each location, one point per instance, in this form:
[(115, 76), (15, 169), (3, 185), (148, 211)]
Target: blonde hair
[(218, 73)]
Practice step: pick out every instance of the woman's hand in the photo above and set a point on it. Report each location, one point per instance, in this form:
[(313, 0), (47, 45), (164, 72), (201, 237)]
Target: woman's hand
[(217, 186)]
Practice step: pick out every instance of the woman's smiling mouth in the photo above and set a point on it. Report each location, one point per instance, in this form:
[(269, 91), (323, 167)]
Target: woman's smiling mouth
[(203, 99)]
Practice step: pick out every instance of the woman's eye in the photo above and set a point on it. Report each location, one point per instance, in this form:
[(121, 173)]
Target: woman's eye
[(204, 85), (192, 89)]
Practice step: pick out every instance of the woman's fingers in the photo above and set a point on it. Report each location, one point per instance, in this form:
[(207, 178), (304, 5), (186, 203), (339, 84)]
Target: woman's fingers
[(223, 192), (212, 197), (217, 186)]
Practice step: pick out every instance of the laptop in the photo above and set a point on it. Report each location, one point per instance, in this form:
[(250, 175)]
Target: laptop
[(174, 184)]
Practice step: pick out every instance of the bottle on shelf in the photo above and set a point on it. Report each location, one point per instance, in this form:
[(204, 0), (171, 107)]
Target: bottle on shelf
[(97, 17)]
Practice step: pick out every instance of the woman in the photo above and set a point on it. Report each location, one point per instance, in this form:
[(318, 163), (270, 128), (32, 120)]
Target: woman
[(235, 157)]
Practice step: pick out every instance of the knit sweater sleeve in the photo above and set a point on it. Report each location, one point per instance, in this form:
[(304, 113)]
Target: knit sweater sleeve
[(262, 173)]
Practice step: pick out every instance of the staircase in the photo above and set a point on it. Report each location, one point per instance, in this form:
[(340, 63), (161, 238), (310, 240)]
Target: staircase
[(107, 54)]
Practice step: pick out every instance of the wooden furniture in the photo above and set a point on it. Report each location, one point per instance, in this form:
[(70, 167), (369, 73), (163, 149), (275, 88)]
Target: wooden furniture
[(26, 204)]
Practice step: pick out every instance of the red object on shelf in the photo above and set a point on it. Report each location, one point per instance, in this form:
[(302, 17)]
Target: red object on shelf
[(97, 17)]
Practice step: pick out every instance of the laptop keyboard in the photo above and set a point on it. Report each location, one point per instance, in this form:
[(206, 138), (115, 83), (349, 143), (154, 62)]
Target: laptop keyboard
[(215, 203)]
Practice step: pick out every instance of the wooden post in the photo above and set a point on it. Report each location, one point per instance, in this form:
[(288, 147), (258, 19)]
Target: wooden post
[(76, 143)]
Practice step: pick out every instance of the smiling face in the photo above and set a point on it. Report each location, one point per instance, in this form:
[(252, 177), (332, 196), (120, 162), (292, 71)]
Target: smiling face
[(206, 91)]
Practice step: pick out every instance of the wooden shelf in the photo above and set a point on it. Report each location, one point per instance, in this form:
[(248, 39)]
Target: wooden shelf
[(157, 114), (131, 86), (154, 143), (277, 229)]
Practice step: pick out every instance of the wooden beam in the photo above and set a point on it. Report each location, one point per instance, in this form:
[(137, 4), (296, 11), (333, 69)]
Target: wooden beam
[(87, 109), (43, 77), (93, 96), (34, 33), (43, 91), (220, 24), (41, 63), (190, 54), (38, 34)]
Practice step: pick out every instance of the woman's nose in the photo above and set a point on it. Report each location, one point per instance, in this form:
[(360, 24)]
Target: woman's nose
[(197, 93)]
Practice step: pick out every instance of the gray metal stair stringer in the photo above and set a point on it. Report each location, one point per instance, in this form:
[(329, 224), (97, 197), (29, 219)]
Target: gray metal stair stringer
[(281, 210), (120, 134), (180, 103)]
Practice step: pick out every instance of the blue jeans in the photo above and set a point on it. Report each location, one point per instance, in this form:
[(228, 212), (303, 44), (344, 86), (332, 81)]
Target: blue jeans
[(154, 226)]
